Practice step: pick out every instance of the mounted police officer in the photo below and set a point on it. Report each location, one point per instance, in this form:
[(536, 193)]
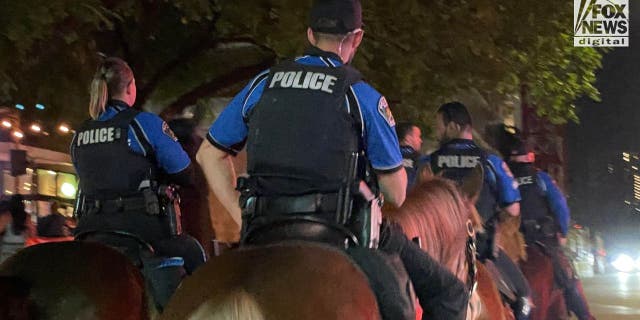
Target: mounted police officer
[(123, 157), (321, 148), (456, 158), (545, 221), (410, 137)]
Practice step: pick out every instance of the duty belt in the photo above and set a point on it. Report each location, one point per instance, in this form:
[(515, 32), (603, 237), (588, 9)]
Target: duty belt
[(114, 205), (311, 203)]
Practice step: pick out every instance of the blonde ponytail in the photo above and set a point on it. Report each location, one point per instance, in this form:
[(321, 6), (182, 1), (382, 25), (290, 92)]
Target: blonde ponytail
[(99, 96), (112, 78)]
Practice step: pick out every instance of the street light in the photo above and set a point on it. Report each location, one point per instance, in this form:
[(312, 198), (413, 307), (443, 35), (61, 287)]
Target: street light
[(35, 128), (18, 134), (64, 128), (6, 124)]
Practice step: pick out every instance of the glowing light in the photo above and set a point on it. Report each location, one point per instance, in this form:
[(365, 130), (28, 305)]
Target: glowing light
[(39, 106), (35, 127), (6, 124), (64, 128), (29, 170), (52, 172), (18, 134), (68, 189), (8, 192), (638, 263), (19, 106), (624, 263)]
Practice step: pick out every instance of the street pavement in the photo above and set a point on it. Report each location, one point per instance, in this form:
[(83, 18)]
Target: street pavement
[(614, 296)]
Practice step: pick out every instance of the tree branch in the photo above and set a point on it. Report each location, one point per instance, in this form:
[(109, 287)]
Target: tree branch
[(210, 88)]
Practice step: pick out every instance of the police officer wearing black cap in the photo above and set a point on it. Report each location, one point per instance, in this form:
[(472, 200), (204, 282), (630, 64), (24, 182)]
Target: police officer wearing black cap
[(545, 221), (122, 157), (321, 147), (457, 157)]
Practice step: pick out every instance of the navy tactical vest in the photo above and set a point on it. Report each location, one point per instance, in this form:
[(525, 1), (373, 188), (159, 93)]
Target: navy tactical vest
[(105, 164), (301, 133), (533, 203), (410, 164), (456, 159)]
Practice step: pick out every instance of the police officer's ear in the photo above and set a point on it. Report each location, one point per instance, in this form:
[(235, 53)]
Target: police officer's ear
[(357, 38), (311, 37), (131, 87)]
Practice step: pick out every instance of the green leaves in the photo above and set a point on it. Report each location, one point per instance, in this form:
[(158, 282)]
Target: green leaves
[(417, 53)]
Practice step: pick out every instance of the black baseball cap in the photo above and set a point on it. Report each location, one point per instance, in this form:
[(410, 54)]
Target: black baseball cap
[(335, 16)]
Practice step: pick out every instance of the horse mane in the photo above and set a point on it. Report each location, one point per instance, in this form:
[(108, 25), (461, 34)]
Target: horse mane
[(437, 213)]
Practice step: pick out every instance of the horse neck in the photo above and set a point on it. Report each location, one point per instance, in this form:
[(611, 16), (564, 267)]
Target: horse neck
[(442, 238)]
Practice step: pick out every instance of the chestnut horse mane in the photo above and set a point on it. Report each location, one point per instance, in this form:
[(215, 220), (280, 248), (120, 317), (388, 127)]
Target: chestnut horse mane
[(437, 213)]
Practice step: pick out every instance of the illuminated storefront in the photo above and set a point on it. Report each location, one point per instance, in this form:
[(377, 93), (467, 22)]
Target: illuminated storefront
[(49, 178)]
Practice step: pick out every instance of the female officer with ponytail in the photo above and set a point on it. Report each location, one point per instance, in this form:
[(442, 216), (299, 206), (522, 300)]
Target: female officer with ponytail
[(121, 155)]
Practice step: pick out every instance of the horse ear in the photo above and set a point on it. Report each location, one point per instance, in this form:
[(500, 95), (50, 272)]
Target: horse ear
[(472, 183)]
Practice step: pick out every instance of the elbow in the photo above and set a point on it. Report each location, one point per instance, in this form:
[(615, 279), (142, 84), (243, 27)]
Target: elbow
[(201, 155), (207, 153), (394, 187), (396, 198), (513, 209)]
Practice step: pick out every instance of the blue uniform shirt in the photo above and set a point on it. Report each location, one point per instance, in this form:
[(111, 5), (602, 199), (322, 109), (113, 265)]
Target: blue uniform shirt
[(156, 138), (413, 162), (506, 185), (557, 201), (229, 131)]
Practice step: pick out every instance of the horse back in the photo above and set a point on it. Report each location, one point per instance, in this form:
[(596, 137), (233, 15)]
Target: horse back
[(292, 281), (73, 280)]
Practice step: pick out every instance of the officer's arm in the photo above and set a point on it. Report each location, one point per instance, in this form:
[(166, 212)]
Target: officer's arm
[(149, 134), (383, 148), (512, 209), (184, 178), (557, 203), (221, 177), (508, 193), (393, 186)]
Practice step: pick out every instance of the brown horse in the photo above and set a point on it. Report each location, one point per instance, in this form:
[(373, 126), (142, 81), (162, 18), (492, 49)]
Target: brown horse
[(286, 281), (439, 214), (537, 267), (72, 280)]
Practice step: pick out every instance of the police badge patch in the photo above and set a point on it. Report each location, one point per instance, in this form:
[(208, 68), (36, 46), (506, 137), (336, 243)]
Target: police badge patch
[(168, 131), (385, 112)]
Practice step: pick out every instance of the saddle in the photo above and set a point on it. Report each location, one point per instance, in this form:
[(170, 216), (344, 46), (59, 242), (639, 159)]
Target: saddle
[(503, 284)]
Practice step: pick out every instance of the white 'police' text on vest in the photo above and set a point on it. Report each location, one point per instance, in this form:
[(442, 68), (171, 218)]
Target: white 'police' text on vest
[(101, 135), (310, 80), (458, 161), (524, 180)]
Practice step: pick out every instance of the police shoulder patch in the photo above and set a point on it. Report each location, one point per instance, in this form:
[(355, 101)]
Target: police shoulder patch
[(167, 130), (506, 169), (385, 112)]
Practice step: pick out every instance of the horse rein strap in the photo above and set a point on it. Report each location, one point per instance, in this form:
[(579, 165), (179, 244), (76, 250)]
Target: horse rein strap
[(470, 254)]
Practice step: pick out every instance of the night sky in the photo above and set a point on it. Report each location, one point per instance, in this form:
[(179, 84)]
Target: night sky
[(607, 129)]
